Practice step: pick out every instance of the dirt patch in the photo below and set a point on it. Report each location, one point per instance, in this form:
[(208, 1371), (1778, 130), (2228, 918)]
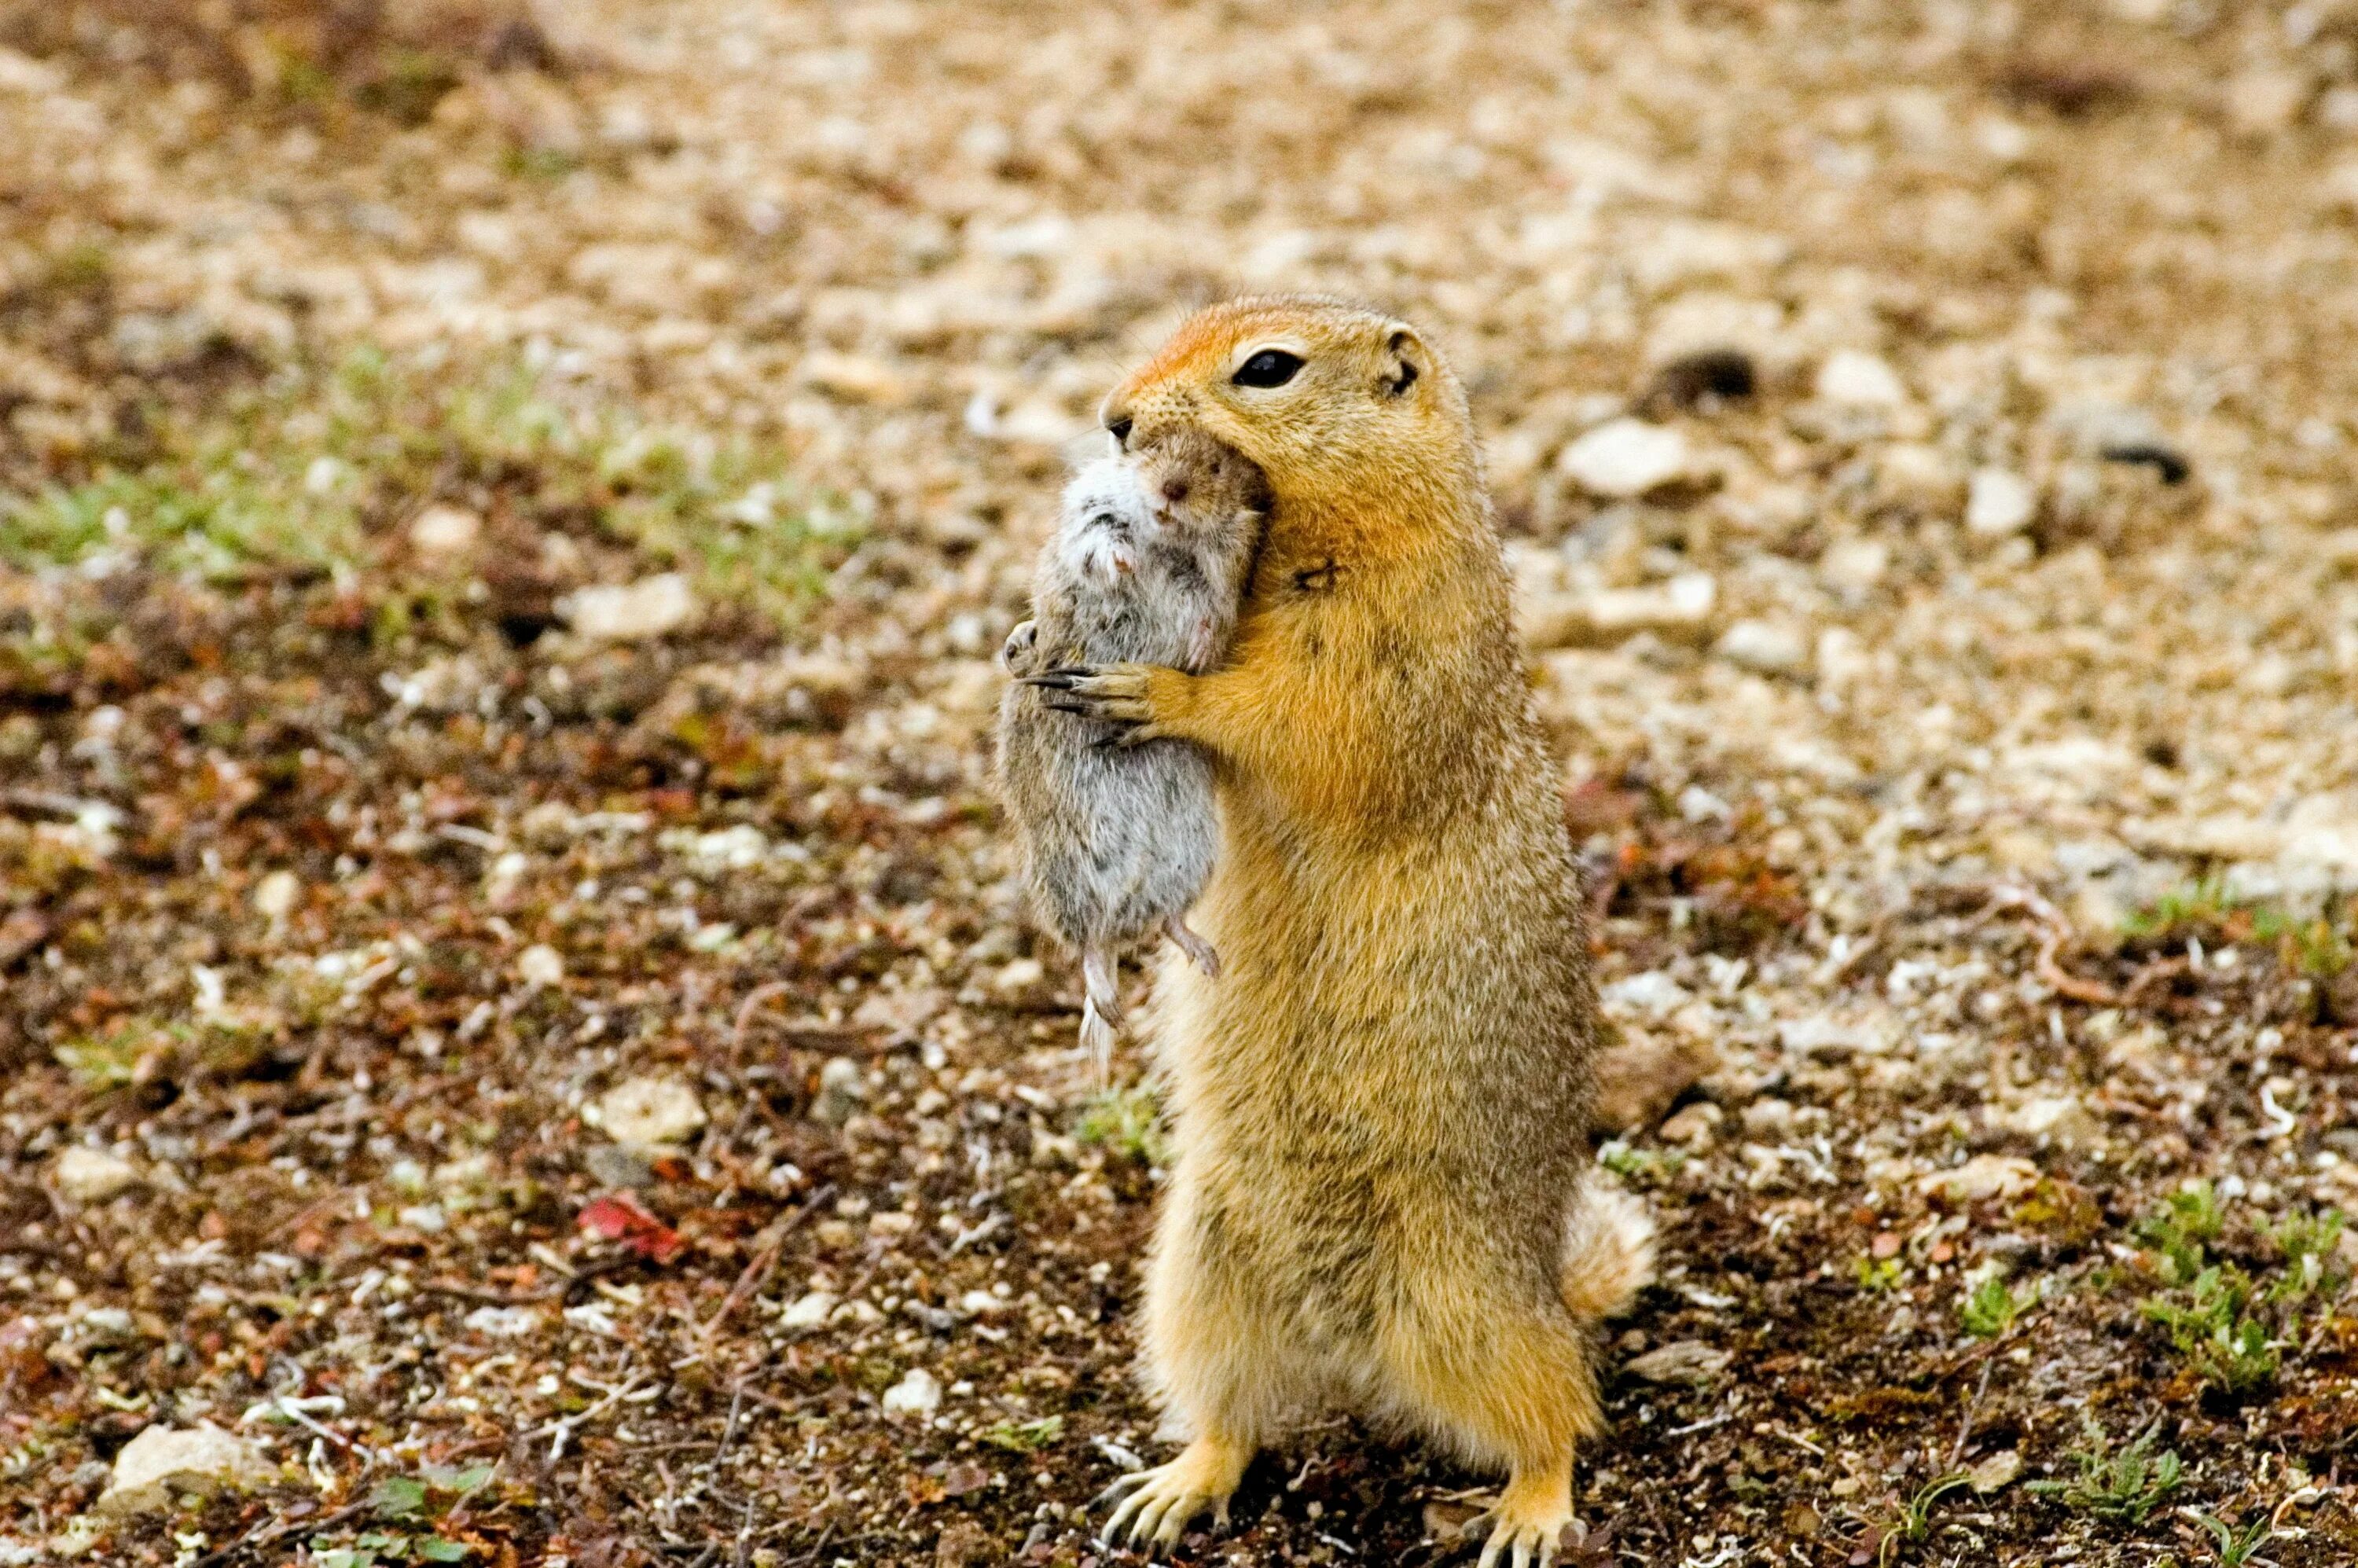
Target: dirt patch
[(507, 517)]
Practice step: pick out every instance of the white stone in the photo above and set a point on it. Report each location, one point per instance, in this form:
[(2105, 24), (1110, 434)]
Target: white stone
[(1020, 975), (93, 1175), (503, 1323), (1695, 1124), (1856, 379), (2000, 502), (1678, 607), (901, 1012), (810, 1312), (275, 895), (919, 1392), (1842, 658), (841, 1090), (445, 533), (1919, 474), (2008, 141), (1701, 322), (1651, 994), (161, 1462), (1855, 565), (650, 1113), (2059, 1120), (1681, 1361), (1995, 1473), (539, 966), (649, 607), (1769, 647), (2265, 102), (1983, 1176), (1624, 457)]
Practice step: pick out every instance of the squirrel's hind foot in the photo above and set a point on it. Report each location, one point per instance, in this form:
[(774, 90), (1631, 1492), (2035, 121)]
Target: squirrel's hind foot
[(1528, 1545), (1157, 1504), (1529, 1522)]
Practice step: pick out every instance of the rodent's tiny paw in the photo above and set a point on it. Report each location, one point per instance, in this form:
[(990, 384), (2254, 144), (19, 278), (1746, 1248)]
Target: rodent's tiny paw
[(1015, 653)]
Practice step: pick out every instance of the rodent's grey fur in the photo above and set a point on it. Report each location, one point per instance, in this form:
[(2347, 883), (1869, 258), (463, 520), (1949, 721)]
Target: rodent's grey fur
[(1149, 565)]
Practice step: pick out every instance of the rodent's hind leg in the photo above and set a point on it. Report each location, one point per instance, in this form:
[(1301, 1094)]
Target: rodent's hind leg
[(1207, 956), (1157, 1504), (1100, 1005)]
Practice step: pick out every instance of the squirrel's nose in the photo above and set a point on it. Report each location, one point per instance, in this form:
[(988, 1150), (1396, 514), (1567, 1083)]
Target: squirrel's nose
[(1175, 491)]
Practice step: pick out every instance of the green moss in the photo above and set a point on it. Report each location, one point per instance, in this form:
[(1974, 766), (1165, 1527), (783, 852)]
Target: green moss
[(315, 473)]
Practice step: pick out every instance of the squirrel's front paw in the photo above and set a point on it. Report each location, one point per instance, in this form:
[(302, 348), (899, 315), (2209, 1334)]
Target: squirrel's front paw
[(1111, 693)]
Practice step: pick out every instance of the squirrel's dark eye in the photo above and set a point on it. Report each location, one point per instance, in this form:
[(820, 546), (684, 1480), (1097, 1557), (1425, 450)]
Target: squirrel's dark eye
[(1120, 431), (1271, 367)]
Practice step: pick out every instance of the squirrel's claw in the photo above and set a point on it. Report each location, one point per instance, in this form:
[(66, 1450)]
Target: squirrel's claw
[(1111, 693), (1157, 1505), (1529, 1544), (1122, 1487)]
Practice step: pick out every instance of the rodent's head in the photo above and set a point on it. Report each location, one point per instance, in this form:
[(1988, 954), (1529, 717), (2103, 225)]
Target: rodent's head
[(1331, 400), (1196, 482)]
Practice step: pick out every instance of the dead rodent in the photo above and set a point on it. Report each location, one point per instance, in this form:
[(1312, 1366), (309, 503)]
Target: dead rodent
[(1382, 1195), (1148, 564)]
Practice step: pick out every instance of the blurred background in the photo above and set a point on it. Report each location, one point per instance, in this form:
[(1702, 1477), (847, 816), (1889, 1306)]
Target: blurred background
[(518, 1042)]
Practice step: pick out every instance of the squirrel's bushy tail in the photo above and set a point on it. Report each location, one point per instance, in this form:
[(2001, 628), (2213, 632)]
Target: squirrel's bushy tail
[(1608, 1252), (1100, 1005)]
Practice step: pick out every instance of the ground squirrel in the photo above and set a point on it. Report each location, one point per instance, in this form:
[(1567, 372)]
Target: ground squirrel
[(1148, 563), (1382, 1194)]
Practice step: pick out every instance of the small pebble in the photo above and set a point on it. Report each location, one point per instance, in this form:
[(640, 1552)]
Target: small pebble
[(93, 1175), (809, 1311), (1626, 458), (1999, 502), (162, 1462), (1765, 647), (918, 1392), (650, 1113), (633, 612), (445, 533), (841, 1091), (1856, 379)]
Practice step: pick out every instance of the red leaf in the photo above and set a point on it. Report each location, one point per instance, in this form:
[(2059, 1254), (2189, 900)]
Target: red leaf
[(619, 1216)]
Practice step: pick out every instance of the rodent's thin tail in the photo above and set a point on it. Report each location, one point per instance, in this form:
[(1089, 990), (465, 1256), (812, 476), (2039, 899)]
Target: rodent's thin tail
[(1101, 1006), (1608, 1252)]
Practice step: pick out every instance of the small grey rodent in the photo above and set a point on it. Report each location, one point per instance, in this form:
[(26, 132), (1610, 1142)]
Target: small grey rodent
[(1149, 565)]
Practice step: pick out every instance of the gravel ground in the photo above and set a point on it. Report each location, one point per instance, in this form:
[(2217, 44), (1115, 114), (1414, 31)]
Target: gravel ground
[(520, 1044)]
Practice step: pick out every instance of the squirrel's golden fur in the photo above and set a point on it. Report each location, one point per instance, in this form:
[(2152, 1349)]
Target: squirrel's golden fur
[(1381, 1107)]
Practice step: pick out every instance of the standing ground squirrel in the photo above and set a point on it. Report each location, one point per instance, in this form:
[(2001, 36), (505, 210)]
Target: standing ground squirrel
[(1382, 1195), (1148, 563)]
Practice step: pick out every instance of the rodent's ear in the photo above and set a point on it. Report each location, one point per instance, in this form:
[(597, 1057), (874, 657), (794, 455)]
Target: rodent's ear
[(1403, 361)]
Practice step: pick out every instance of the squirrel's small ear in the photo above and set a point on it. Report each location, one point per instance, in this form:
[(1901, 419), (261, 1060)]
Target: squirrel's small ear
[(1404, 361)]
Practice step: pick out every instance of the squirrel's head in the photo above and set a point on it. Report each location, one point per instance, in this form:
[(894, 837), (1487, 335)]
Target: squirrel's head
[(1334, 402)]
